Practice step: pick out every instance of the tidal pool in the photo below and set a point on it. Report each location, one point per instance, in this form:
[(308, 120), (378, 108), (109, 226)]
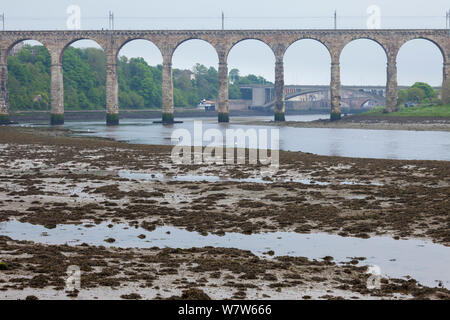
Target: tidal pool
[(427, 262), (213, 178)]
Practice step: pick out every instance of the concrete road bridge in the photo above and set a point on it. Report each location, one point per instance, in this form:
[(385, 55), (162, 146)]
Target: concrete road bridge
[(223, 41), (313, 96)]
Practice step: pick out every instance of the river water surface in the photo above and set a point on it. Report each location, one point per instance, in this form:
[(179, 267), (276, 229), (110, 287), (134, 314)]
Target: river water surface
[(425, 261), (361, 143)]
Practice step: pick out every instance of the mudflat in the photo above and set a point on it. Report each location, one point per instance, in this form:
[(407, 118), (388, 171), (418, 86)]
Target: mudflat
[(50, 178)]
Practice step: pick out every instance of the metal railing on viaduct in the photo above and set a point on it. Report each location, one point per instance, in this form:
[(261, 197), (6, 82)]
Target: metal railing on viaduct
[(222, 40)]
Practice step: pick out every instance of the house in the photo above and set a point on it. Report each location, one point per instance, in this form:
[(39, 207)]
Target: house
[(208, 105)]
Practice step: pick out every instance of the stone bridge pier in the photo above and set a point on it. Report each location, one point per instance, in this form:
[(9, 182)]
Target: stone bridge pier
[(4, 115), (335, 90), (56, 94), (223, 41), (279, 108), (223, 92), (112, 94)]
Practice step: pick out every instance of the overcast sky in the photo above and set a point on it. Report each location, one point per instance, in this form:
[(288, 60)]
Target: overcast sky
[(307, 62)]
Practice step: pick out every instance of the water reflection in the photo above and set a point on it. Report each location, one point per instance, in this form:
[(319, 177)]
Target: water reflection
[(384, 144), (423, 260)]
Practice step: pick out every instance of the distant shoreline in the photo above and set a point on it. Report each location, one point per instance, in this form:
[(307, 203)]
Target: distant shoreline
[(82, 115), (369, 122)]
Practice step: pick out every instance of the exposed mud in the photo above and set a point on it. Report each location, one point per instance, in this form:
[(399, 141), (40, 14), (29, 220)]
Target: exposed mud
[(197, 273), (49, 178)]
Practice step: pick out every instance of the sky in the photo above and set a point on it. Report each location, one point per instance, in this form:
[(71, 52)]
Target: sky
[(363, 62)]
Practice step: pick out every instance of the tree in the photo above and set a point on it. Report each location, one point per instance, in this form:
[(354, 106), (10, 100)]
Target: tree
[(84, 72), (402, 97), (415, 94), (428, 91), (234, 76)]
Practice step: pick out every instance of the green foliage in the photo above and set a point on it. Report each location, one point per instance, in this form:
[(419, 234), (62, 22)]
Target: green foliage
[(112, 119), (57, 119), (416, 94), (84, 72), (139, 84), (236, 80), (29, 79), (334, 116), (402, 97), (428, 91), (416, 111), (167, 118), (279, 117), (4, 119), (223, 117), (419, 92)]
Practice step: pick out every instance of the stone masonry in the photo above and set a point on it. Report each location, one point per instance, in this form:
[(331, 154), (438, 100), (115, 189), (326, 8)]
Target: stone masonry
[(222, 40)]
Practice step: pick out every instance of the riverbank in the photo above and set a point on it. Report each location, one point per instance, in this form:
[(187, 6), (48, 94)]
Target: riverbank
[(50, 178), (370, 122), (429, 111), (100, 115)]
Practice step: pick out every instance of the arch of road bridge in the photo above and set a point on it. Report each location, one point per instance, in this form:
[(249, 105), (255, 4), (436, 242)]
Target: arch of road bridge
[(4, 91), (364, 101), (289, 97)]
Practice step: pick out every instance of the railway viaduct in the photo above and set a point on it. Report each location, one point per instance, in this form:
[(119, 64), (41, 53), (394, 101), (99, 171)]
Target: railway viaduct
[(222, 40)]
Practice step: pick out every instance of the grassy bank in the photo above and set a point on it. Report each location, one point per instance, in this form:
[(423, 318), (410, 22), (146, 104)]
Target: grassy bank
[(416, 111)]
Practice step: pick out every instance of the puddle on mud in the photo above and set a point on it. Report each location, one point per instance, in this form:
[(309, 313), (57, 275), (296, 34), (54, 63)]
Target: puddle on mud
[(213, 178), (427, 262)]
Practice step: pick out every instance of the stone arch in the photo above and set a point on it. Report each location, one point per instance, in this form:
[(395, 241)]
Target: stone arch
[(64, 102), (44, 94), (61, 53), (433, 41), (17, 41), (377, 41), (431, 64), (125, 42), (194, 38), (234, 43), (156, 95), (379, 44), (323, 43)]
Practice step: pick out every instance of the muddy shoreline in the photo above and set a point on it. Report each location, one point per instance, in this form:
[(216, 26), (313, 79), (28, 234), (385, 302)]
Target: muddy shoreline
[(370, 123), (100, 115), (49, 178)]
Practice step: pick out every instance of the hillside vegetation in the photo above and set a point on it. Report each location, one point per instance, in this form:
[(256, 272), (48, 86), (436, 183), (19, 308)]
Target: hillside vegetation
[(85, 78)]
